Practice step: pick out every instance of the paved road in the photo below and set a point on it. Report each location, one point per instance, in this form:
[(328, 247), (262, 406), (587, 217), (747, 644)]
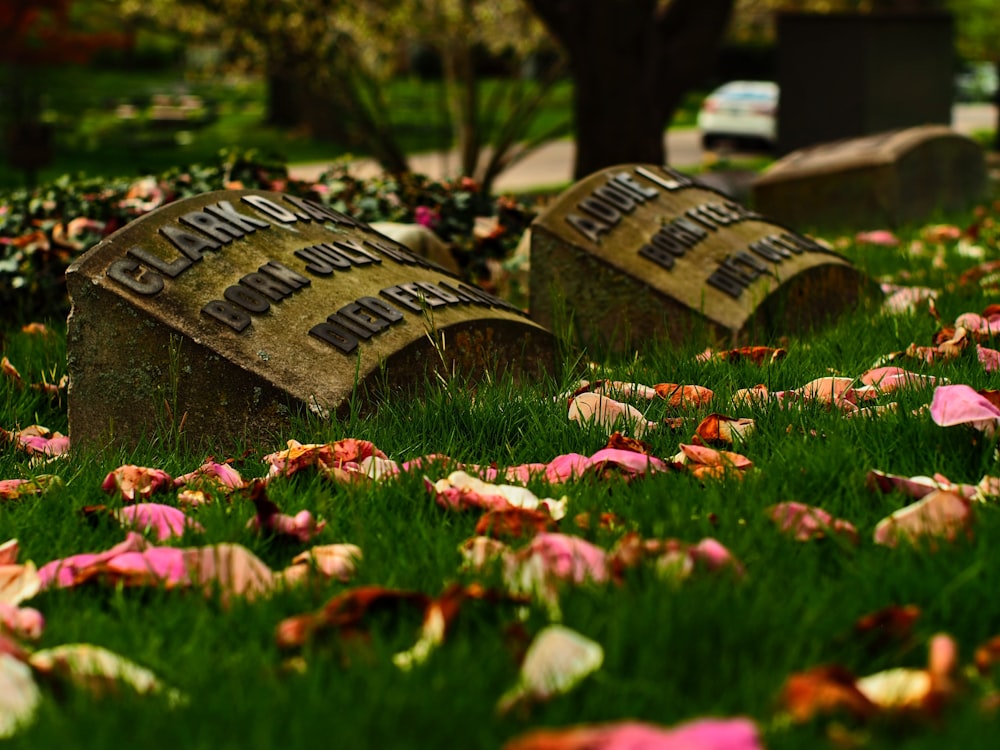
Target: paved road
[(553, 163)]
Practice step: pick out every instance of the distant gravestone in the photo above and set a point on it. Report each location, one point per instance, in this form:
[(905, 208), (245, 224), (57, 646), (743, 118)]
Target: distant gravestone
[(879, 180), (633, 253), (227, 312)]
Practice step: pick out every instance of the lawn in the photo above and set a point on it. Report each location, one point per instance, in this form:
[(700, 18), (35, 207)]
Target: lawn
[(678, 640), (92, 137)]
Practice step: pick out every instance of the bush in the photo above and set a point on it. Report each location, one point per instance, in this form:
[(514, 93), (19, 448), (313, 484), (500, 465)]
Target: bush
[(43, 230)]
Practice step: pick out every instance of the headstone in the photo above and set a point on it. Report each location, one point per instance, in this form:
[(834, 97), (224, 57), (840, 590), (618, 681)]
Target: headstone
[(636, 252), (881, 180), (225, 313)]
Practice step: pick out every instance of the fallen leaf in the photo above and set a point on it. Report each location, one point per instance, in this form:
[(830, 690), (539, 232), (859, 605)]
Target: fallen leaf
[(557, 660), (938, 515)]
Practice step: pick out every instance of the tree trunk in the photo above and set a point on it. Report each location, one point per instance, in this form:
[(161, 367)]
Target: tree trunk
[(631, 61)]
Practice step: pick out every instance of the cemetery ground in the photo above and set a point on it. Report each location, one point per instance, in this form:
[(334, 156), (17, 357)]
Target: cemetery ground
[(406, 642)]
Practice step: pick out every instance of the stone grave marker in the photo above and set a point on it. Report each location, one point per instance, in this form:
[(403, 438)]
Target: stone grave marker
[(638, 252), (226, 312), (875, 181)]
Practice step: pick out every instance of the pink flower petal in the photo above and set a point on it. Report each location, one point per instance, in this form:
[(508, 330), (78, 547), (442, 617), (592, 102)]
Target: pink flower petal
[(881, 237), (805, 522), (890, 378), (22, 622), (567, 558), (211, 472), (940, 514), (158, 565), (132, 481), (702, 734), (629, 461), (64, 572), (960, 404), (988, 358), (163, 520), (593, 408)]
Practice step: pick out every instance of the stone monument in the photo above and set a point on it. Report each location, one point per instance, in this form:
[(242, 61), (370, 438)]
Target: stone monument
[(225, 313), (639, 252), (881, 180)]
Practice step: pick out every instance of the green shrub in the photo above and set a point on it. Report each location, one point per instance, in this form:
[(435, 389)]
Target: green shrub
[(44, 229)]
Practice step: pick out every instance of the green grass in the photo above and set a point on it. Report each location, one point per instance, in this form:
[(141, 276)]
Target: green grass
[(710, 646)]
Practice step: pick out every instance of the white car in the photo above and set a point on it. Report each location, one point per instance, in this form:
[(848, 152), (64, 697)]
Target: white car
[(740, 111)]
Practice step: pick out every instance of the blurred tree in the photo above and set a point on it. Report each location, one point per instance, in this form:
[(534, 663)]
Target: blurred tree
[(41, 34), (977, 26), (632, 61), (328, 61)]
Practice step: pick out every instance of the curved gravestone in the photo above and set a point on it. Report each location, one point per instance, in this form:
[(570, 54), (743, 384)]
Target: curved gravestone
[(637, 252), (887, 179), (225, 313)]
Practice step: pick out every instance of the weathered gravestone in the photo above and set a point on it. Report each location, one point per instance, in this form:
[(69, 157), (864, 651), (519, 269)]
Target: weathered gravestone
[(228, 311), (633, 253), (879, 180)]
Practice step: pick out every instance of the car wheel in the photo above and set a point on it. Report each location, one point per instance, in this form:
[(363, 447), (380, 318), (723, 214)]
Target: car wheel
[(708, 141)]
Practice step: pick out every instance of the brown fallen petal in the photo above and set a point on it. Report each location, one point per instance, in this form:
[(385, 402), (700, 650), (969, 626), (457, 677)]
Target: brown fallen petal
[(516, 523), (889, 625), (679, 396), (987, 655), (605, 521), (622, 442), (440, 615), (824, 690), (758, 355), (345, 613), (718, 428)]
